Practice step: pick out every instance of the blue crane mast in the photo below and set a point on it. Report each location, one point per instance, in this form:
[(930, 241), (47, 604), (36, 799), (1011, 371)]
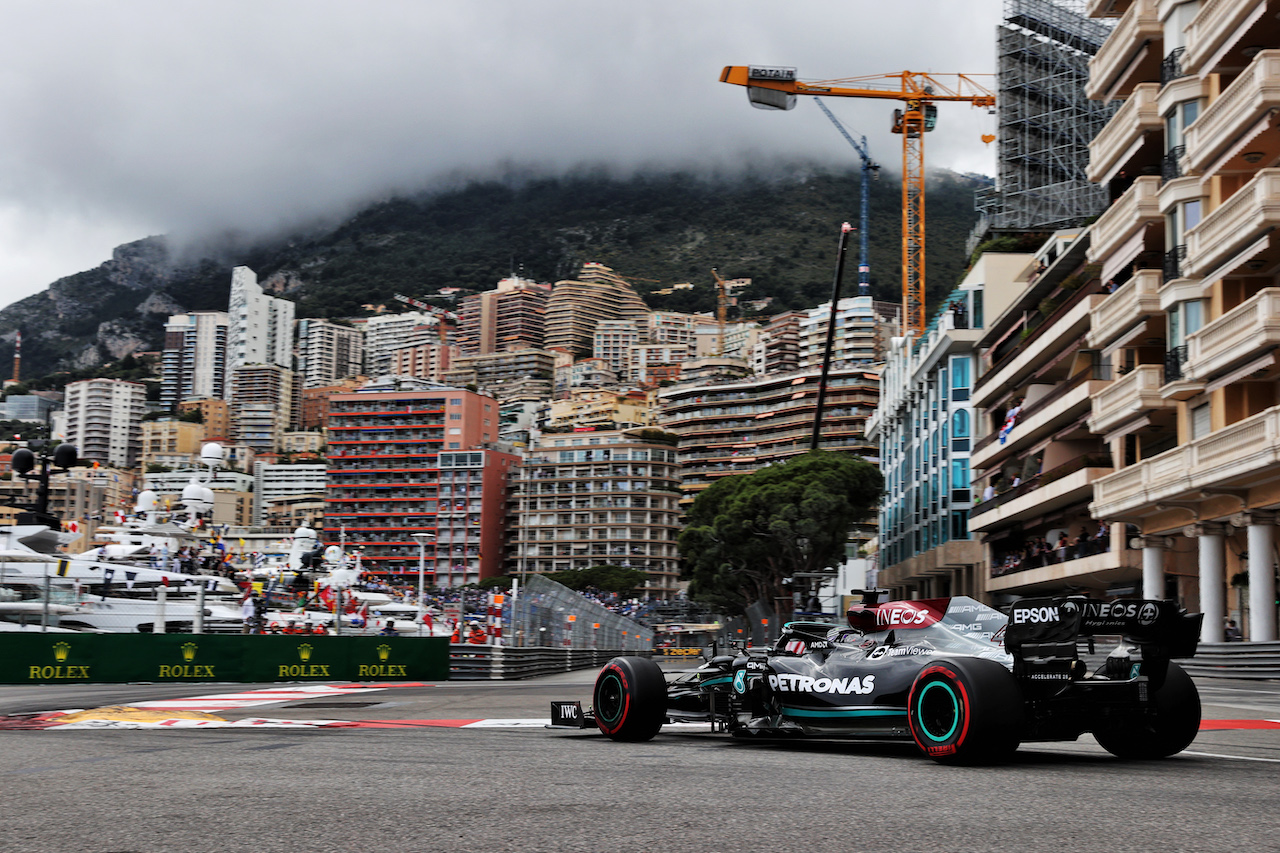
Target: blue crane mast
[(870, 169)]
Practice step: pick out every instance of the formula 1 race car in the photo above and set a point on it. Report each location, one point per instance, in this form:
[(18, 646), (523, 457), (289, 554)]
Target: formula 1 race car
[(962, 680)]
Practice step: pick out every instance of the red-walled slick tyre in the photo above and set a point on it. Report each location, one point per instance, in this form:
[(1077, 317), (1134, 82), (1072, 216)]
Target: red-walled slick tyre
[(630, 699), (965, 711)]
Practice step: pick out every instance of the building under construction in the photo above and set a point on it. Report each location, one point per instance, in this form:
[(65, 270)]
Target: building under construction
[(1045, 120)]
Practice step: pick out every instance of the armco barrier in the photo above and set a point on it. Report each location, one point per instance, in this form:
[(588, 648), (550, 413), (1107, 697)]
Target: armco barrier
[(472, 663), (118, 658)]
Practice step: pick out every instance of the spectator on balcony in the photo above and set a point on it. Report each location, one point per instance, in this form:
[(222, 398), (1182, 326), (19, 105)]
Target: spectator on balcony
[(1064, 547)]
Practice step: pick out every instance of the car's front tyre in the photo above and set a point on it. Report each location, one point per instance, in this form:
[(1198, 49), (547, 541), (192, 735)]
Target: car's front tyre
[(630, 699), (965, 711)]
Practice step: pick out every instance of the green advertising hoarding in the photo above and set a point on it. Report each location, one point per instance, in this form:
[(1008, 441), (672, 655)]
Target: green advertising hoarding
[(40, 658)]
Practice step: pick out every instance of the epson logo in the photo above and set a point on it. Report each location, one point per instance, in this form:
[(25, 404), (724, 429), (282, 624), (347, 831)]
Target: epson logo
[(1035, 615), (809, 684)]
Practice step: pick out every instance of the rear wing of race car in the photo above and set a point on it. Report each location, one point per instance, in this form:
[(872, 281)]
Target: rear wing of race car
[(1036, 623)]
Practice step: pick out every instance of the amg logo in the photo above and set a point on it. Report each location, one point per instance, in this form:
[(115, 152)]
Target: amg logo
[(808, 684), (1035, 615)]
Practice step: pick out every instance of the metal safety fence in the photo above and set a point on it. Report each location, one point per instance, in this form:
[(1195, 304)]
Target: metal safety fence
[(547, 614), (472, 663)]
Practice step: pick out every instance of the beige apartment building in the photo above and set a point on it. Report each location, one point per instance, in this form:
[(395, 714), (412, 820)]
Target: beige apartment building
[(1191, 418)]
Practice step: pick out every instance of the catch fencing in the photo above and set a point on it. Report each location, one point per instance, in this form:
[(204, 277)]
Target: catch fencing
[(546, 614)]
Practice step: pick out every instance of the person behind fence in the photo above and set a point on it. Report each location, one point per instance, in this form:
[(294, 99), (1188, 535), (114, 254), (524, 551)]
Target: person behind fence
[(389, 629), (248, 613), (476, 634), (1232, 633)]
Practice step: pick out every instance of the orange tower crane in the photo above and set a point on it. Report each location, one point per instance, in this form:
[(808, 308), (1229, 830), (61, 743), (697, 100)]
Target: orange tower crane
[(776, 88)]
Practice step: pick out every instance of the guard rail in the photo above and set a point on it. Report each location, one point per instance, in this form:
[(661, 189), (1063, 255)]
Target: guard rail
[(483, 663)]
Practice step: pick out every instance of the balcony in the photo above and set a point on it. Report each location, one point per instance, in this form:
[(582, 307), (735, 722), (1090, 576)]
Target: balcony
[(1238, 221), (1243, 333), (1073, 487), (1237, 113), (1135, 300), (1106, 8), (1137, 208), (1131, 54), (1014, 368), (1124, 134), (1234, 456), (1131, 395), (1040, 419), (1218, 23)]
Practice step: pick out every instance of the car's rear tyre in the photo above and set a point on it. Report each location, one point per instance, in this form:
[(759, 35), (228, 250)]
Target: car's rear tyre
[(965, 711), (1170, 730), (630, 699)]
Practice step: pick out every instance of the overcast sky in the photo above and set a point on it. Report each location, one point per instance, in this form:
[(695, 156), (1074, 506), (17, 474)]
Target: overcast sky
[(129, 118)]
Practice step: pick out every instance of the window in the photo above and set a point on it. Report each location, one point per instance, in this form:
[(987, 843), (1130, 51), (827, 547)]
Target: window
[(1177, 120), (960, 379), (1200, 425), (976, 322), (960, 430), (960, 480)]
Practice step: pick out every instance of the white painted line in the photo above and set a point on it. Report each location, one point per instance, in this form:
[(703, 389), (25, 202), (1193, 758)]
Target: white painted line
[(1232, 757)]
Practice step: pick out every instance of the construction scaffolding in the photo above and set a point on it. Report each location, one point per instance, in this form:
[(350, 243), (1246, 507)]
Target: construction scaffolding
[(1045, 121)]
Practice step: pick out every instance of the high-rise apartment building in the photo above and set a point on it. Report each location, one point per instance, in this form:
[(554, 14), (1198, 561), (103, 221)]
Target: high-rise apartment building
[(496, 372), (215, 417), (576, 307), (513, 316), (263, 405), (863, 329), (925, 426), (194, 360), (777, 350), (260, 327), (613, 341), (171, 442), (1191, 418), (1035, 457), (607, 497), (736, 427), (406, 462), (430, 360), (384, 333), (328, 351), (273, 482), (104, 420)]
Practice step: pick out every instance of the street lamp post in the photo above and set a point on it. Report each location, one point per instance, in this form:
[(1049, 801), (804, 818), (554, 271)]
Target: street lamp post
[(423, 539)]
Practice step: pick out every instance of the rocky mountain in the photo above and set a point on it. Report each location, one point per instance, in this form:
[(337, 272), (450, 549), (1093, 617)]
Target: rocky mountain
[(780, 228)]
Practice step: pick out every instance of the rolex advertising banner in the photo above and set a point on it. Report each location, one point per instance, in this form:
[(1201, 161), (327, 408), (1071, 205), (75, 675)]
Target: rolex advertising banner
[(106, 658)]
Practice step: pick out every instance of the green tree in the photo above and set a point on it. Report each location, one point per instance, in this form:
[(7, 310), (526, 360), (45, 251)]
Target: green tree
[(608, 578), (744, 535)]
